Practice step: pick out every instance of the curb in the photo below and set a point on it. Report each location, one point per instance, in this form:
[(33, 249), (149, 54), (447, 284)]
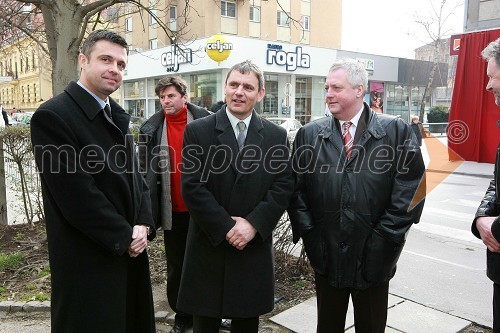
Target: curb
[(28, 307), (11, 307)]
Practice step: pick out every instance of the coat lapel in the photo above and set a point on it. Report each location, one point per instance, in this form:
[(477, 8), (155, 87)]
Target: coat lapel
[(226, 137)]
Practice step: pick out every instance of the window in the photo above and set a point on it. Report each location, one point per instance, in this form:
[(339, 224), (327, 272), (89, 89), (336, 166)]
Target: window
[(228, 9), (283, 19), (306, 22), (173, 18), (128, 24), (153, 44), (152, 15), (254, 14)]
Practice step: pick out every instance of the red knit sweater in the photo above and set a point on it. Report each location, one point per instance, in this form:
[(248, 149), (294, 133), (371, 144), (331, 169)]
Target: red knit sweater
[(175, 132)]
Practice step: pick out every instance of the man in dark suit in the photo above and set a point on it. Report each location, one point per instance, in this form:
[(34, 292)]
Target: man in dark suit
[(357, 175), (160, 155), (236, 183), (486, 224), (97, 205)]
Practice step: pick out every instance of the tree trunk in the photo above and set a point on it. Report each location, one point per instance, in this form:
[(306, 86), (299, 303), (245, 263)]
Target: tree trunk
[(61, 40), (428, 87)]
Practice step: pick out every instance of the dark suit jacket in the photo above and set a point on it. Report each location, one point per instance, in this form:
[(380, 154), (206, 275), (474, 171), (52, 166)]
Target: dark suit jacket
[(219, 280), (93, 196)]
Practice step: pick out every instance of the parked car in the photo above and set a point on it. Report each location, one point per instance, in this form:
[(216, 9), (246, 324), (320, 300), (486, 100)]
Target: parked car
[(21, 118), (291, 125)]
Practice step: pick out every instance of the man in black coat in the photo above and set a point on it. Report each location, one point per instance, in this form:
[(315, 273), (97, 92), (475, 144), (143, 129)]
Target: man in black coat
[(357, 175), (486, 224), (97, 205), (236, 183), (160, 155)]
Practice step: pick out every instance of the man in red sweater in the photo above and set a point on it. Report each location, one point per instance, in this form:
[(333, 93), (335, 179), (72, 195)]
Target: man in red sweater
[(160, 148)]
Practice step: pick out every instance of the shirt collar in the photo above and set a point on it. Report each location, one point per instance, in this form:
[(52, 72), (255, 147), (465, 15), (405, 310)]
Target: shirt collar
[(100, 101), (355, 119), (234, 121)]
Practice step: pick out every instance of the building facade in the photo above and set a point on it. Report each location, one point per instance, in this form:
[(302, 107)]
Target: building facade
[(481, 15), (295, 77), (441, 95), (25, 76), (290, 21)]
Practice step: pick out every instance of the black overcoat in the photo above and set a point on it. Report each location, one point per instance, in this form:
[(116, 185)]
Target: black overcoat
[(93, 196), (219, 280)]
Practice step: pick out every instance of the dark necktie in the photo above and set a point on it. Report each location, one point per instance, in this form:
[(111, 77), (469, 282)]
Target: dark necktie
[(241, 134), (107, 109), (348, 140)]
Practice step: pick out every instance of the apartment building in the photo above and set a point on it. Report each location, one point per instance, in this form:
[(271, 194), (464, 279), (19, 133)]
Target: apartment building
[(25, 80), (293, 41)]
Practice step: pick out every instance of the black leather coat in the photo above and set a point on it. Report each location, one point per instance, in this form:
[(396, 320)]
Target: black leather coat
[(490, 206), (353, 215)]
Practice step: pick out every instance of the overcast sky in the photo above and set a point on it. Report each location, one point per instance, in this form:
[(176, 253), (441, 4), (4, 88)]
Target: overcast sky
[(388, 27)]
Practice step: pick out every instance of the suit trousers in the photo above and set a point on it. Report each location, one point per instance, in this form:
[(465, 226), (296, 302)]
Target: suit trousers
[(370, 307), (203, 324), (496, 308), (175, 247)]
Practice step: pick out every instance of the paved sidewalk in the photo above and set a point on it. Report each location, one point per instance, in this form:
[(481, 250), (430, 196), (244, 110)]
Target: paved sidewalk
[(402, 314)]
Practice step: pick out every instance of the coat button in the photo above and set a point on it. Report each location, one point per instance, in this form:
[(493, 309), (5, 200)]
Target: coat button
[(117, 246)]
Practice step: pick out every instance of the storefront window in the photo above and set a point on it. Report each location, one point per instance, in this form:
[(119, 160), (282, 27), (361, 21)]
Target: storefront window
[(270, 103), (303, 89), (136, 107), (151, 87), (134, 89), (205, 89)]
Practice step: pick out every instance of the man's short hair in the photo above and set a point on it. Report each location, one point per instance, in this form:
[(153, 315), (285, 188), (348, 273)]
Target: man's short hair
[(176, 81), (492, 51), (97, 35), (356, 73), (247, 67)]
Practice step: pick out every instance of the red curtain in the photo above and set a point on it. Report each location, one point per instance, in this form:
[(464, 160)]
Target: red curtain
[(471, 104)]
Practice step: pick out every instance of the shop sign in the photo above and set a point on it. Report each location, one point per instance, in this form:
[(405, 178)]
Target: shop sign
[(292, 60), (455, 44), (171, 60), (218, 49), (368, 64)]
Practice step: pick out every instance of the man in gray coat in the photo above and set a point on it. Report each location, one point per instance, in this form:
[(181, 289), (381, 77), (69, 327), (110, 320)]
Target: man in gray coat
[(160, 154), (236, 183)]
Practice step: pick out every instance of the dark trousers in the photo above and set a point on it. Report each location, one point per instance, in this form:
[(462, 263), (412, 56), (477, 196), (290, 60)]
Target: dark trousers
[(370, 307), (496, 308), (175, 247), (211, 325)]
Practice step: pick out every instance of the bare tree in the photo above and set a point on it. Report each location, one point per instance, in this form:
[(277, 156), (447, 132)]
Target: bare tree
[(59, 26), (435, 27)]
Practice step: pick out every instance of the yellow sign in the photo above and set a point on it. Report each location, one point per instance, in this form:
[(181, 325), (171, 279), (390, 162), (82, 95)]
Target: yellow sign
[(218, 49)]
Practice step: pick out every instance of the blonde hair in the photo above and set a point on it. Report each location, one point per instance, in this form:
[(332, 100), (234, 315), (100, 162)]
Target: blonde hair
[(414, 118)]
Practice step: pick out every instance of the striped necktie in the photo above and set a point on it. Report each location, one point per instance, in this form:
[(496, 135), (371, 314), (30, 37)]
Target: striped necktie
[(348, 140)]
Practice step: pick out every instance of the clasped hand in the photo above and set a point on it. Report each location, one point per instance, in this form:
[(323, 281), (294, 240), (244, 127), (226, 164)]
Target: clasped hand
[(139, 240), (241, 233)]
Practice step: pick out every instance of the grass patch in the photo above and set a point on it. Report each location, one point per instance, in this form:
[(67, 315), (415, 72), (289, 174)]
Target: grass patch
[(45, 271), (19, 236), (10, 261), (35, 297)]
